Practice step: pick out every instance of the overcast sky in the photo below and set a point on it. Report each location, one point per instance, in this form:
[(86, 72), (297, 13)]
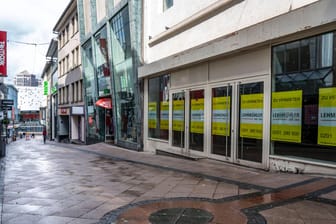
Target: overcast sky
[(29, 21)]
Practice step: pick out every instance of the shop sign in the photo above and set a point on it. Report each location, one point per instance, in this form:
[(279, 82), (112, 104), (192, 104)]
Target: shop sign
[(63, 111), (197, 116), (164, 115), (152, 115), (178, 115), (77, 110), (3, 53), (286, 116), (221, 116), (327, 117), (251, 116), (45, 88)]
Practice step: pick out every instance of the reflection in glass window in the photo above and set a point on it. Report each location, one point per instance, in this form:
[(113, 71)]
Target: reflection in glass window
[(102, 63), (124, 78), (90, 90), (158, 107), (303, 78)]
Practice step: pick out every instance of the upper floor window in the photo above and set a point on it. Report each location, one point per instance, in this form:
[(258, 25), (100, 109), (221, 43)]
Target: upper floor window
[(167, 4)]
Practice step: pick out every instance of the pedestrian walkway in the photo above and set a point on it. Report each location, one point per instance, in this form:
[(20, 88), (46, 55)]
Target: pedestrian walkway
[(64, 183)]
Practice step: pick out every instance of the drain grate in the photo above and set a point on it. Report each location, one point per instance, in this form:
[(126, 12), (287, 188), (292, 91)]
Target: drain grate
[(181, 216)]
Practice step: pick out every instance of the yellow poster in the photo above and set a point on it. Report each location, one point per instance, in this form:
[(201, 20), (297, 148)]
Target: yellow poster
[(286, 116), (327, 117), (251, 116), (152, 115), (221, 107), (197, 116), (164, 115), (178, 115)]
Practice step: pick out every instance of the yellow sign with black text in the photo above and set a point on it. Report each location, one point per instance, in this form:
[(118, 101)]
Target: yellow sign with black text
[(197, 116), (327, 117), (178, 115), (286, 116), (221, 107), (164, 115), (152, 115), (251, 115)]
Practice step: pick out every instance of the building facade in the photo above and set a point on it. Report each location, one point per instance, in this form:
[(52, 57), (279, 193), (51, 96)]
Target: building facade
[(13, 114), (246, 82), (30, 95), (70, 112), (50, 78), (110, 34)]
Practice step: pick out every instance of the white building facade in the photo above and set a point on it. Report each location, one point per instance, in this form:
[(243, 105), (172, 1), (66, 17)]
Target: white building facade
[(71, 118), (247, 82)]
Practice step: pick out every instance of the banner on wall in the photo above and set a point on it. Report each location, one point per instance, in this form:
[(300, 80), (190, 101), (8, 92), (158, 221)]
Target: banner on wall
[(251, 116), (164, 115), (152, 115), (221, 116), (3, 53), (178, 115), (286, 116), (197, 116), (327, 117)]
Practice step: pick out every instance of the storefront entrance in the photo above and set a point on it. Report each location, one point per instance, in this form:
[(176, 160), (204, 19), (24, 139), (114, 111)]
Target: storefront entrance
[(228, 121)]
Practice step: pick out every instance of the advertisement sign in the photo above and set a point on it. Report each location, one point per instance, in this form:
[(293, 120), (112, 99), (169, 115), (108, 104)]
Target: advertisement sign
[(327, 117), (164, 115), (286, 116), (45, 88), (152, 115), (3, 53), (178, 115), (251, 116), (197, 116), (221, 115)]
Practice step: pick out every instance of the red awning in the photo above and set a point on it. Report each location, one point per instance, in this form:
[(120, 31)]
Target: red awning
[(105, 102)]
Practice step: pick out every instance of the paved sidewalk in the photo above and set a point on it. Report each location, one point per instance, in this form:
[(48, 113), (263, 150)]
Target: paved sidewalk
[(64, 183)]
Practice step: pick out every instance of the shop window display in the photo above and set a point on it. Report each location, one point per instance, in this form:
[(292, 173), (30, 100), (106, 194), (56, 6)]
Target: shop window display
[(303, 124)]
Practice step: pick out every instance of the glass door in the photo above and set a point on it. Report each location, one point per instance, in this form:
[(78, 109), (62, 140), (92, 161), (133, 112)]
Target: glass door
[(221, 121), (250, 115), (196, 120), (178, 133), (188, 120)]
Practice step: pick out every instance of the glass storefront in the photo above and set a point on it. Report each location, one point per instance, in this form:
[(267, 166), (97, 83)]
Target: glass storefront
[(90, 92), (221, 119), (102, 63), (158, 107), (303, 120), (124, 77)]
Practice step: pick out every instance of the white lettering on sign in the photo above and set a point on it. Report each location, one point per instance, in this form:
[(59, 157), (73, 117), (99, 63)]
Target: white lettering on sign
[(2, 52)]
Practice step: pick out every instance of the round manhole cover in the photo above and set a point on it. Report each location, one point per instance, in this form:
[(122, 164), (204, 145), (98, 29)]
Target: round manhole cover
[(180, 216)]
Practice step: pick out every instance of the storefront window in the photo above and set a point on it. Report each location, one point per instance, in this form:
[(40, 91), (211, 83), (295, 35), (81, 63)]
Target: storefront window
[(124, 78), (304, 99), (102, 63), (158, 107), (90, 92)]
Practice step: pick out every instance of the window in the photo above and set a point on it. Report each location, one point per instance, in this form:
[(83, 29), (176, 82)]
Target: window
[(303, 77), (103, 70), (167, 4), (158, 107), (73, 25)]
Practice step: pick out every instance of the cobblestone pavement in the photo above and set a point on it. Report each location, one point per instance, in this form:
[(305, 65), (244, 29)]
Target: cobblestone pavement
[(62, 183)]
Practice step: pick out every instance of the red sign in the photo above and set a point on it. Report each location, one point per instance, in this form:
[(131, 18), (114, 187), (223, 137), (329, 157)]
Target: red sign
[(3, 53)]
